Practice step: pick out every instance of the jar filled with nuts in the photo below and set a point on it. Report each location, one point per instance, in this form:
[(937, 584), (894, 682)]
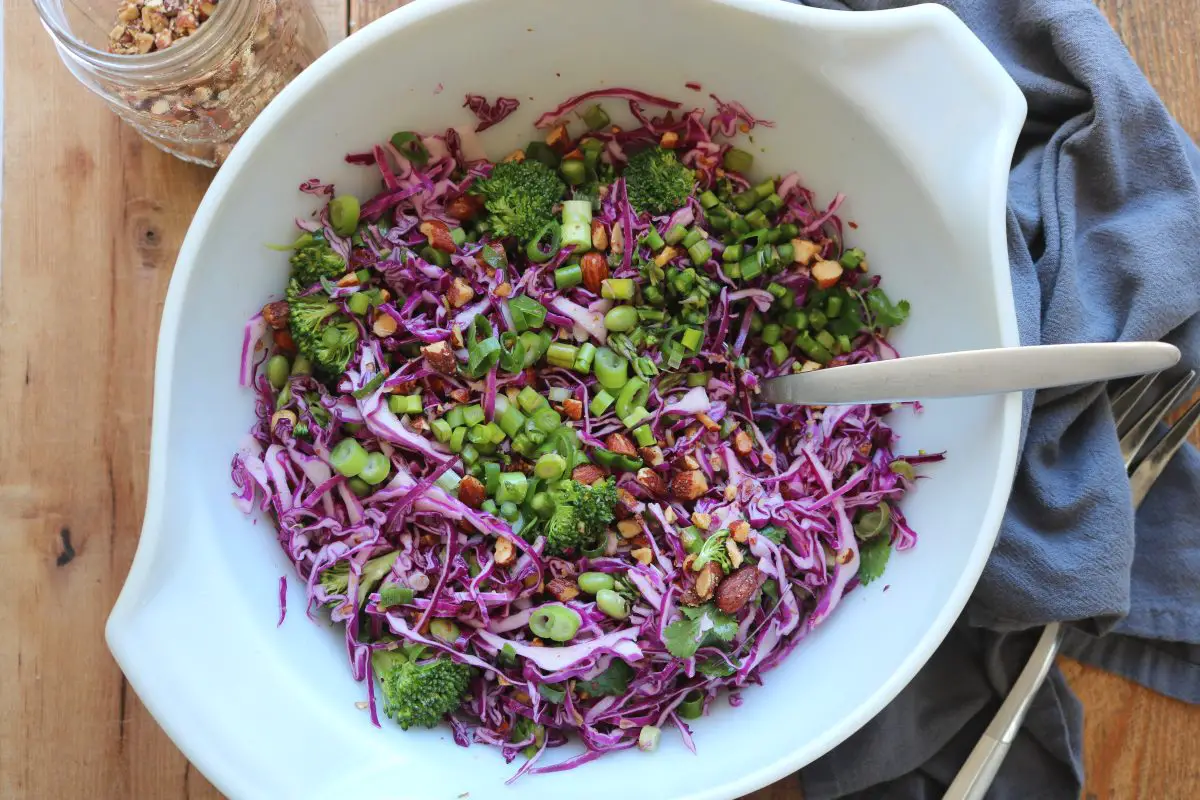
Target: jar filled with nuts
[(189, 75)]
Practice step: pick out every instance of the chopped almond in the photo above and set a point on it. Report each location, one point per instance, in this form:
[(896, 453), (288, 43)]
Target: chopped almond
[(651, 481), (557, 138), (284, 342), (730, 492), (743, 445), (440, 357), (708, 422), (515, 155), (629, 528), (669, 140), (573, 408), (804, 251), (276, 315), (810, 366), (562, 589), (735, 553), (701, 520), (688, 485), (826, 273), (587, 474), (383, 326), (503, 290), (464, 207), (651, 455), (665, 255), (599, 235), (707, 580), (471, 492), (739, 531), (460, 293), (506, 553), (349, 279), (689, 461), (620, 444), (643, 555)]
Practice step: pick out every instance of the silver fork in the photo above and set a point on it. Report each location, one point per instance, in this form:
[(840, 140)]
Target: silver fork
[(977, 774)]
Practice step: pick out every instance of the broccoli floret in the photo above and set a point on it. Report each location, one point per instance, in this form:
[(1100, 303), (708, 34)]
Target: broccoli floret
[(657, 182), (336, 579), (314, 259), (326, 336), (520, 198), (419, 693), (581, 515)]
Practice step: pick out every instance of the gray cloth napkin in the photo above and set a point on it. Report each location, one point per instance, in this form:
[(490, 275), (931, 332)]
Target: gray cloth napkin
[(1104, 244)]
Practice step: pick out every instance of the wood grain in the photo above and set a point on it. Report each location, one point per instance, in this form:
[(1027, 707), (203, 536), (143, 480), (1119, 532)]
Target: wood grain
[(92, 219)]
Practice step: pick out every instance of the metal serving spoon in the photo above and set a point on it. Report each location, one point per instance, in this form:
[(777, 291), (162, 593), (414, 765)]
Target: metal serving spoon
[(970, 372)]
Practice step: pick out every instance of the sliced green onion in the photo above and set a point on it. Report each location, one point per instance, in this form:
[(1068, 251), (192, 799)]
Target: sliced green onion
[(708, 199), (612, 371), (574, 172), (540, 151), (359, 303), (852, 258), (577, 223), (583, 360), (617, 288), (348, 457), (700, 253), (644, 436), (550, 467), (482, 355), (529, 400), (654, 240), (510, 420), (692, 706), (535, 345), (635, 393), (635, 418), (559, 394), (455, 417), (736, 160), (532, 313), (562, 355), (756, 219), (873, 522), (779, 353), (376, 469), (441, 430), (692, 339), (512, 352), (903, 469), (770, 333), (568, 277), (732, 253), (600, 403), (472, 414), (512, 487), (545, 245), (675, 234)]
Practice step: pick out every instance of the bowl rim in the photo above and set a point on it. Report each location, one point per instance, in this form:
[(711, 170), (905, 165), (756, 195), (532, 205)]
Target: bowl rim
[(1010, 116)]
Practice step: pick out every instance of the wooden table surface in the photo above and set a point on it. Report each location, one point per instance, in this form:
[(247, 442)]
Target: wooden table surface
[(92, 219)]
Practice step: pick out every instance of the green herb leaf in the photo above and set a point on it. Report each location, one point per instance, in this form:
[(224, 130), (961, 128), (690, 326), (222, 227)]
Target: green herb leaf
[(369, 388), (883, 312), (507, 657), (873, 557), (716, 667), (613, 681), (552, 691), (492, 257), (774, 533), (682, 638)]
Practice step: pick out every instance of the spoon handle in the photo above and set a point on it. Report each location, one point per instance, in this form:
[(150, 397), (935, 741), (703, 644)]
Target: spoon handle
[(971, 372)]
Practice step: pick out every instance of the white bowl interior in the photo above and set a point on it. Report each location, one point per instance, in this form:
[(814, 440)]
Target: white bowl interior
[(902, 111)]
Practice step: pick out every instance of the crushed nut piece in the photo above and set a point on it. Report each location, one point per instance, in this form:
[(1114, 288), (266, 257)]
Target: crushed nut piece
[(739, 531), (464, 207), (557, 138), (701, 520), (573, 408), (643, 555), (810, 366), (742, 443), (730, 492), (276, 315), (460, 293), (384, 325), (651, 455), (669, 140), (735, 553), (504, 289), (505, 552), (707, 580), (562, 589), (665, 255), (437, 233), (804, 251), (688, 485), (587, 474), (651, 481), (708, 422), (629, 528), (620, 444), (826, 273), (471, 491), (440, 357), (599, 235)]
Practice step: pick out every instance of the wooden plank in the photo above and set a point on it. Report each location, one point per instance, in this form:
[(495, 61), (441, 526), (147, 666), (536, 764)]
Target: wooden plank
[(334, 15), (364, 12)]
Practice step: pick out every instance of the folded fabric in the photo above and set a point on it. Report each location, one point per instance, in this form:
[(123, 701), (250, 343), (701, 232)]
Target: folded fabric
[(1104, 245)]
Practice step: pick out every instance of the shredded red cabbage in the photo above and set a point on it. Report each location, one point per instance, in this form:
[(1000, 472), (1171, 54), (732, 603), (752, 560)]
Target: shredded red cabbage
[(738, 528)]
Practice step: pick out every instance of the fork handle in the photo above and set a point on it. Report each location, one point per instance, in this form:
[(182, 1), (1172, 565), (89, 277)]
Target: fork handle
[(977, 774), (975, 778)]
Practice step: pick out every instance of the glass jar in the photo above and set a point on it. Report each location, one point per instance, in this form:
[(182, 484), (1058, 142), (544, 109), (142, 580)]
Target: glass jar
[(195, 97)]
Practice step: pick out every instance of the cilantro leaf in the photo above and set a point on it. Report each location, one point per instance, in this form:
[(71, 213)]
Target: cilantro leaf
[(702, 626), (614, 680), (774, 533), (885, 314), (553, 692), (682, 638), (717, 667), (873, 557)]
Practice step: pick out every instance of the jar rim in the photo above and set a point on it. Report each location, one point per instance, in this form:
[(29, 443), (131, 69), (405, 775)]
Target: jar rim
[(183, 54)]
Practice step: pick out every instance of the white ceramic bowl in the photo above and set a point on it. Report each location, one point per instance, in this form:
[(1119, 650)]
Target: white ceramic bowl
[(904, 111)]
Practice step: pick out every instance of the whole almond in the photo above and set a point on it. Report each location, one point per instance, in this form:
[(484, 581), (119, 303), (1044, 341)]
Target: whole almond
[(594, 267), (464, 207), (736, 589)]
